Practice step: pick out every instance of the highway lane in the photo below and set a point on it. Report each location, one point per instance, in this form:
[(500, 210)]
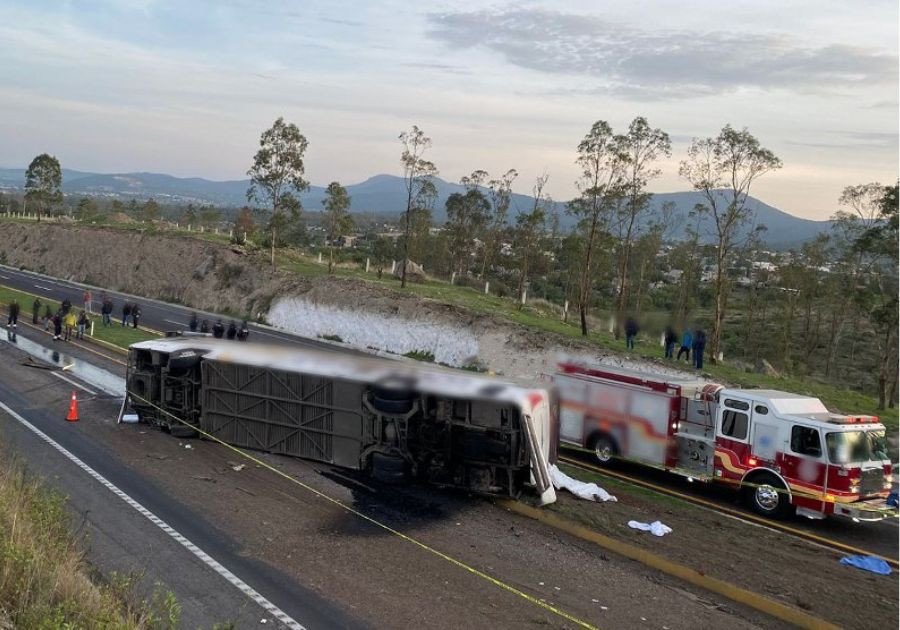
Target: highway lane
[(155, 314), (124, 540)]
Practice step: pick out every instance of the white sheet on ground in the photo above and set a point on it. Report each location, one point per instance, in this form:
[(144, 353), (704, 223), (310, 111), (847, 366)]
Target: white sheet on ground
[(656, 528), (589, 491)]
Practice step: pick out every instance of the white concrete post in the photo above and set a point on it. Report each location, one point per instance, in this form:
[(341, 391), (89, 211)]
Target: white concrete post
[(230, 234), (453, 278), (612, 324), (320, 257), (524, 296), (393, 266), (487, 288), (662, 340), (367, 265), (92, 328), (720, 358), (201, 229)]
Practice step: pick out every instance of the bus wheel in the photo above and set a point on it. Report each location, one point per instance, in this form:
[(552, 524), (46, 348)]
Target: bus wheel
[(767, 496), (604, 448)]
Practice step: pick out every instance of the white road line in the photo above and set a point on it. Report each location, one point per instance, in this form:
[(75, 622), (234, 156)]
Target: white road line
[(5, 277), (172, 321), (42, 288), (75, 383), (208, 560)]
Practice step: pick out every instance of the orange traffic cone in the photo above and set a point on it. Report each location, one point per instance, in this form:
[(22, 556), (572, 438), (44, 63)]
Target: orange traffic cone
[(73, 410)]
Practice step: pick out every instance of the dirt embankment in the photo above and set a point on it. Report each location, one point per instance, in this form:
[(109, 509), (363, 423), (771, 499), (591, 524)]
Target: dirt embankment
[(217, 277), (185, 270)]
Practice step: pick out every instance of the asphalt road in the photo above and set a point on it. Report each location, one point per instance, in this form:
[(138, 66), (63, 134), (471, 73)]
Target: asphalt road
[(124, 540), (154, 314)]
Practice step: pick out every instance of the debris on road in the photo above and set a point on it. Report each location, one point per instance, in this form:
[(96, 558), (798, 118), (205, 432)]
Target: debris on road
[(238, 467), (657, 528), (867, 563)]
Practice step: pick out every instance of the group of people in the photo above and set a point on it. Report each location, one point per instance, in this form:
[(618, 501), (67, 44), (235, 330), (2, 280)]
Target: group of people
[(219, 330), (65, 320), (693, 343)]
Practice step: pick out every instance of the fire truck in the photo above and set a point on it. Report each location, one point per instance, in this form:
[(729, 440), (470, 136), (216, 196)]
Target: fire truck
[(785, 452)]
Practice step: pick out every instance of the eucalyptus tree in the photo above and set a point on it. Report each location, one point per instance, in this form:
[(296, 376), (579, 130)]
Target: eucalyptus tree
[(467, 214), (602, 159), (418, 176), (337, 218), (43, 183), (277, 176), (723, 169), (500, 195), (642, 147), (529, 231)]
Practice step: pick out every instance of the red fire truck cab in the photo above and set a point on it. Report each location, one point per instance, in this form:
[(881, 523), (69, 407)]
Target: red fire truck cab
[(784, 451)]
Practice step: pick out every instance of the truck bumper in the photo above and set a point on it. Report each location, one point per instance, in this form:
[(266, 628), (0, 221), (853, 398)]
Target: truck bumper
[(870, 510)]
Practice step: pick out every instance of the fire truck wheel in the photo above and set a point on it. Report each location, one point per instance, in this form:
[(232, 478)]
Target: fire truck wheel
[(767, 496), (604, 448)]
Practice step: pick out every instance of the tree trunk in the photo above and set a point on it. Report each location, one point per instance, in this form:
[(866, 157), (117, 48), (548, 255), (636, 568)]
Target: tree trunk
[(623, 287), (886, 351), (273, 246), (719, 316), (585, 288), (330, 258)]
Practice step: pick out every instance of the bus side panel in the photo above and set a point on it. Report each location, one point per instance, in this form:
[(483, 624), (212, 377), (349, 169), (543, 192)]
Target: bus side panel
[(281, 412)]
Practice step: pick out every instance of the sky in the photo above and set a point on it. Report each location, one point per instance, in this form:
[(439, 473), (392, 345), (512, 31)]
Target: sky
[(186, 88)]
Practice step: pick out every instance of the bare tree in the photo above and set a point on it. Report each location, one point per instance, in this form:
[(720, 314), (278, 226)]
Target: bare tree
[(529, 230), (500, 195), (723, 170), (642, 146), (601, 159), (417, 175)]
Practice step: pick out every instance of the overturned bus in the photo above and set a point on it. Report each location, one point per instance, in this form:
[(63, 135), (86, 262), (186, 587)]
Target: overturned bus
[(389, 418)]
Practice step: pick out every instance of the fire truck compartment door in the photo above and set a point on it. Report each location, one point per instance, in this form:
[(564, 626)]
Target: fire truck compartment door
[(572, 393), (765, 441)]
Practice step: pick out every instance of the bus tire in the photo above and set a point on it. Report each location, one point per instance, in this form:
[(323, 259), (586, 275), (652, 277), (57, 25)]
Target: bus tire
[(604, 447), (388, 468), (767, 495)]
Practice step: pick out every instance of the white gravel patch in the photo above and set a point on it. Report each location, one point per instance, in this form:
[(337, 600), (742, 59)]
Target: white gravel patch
[(449, 345)]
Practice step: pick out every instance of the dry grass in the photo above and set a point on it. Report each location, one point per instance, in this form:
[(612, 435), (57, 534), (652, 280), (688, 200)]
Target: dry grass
[(45, 582)]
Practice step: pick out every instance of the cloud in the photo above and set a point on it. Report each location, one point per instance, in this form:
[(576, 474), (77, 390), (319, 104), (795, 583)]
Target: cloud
[(853, 140), (663, 64)]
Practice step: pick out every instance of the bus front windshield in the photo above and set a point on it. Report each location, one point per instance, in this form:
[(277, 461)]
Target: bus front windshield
[(847, 447)]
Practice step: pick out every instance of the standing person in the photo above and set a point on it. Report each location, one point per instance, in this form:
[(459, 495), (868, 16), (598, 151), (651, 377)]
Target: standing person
[(66, 306), (135, 314), (193, 323), (69, 323), (57, 325), (106, 308), (631, 331), (83, 322), (687, 341), (218, 329), (126, 312), (244, 331), (231, 333), (13, 319), (669, 340), (35, 310), (48, 317), (699, 347), (87, 298), (204, 327)]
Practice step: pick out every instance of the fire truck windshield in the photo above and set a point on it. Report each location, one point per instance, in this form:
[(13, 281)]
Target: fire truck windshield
[(847, 447)]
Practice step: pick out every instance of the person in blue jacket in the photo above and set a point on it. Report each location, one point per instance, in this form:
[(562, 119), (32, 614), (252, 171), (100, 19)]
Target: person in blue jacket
[(687, 340)]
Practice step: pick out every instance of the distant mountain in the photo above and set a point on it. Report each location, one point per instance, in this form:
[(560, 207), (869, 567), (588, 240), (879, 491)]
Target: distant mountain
[(385, 194)]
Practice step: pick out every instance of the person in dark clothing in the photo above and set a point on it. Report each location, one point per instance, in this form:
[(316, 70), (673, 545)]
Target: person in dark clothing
[(699, 347), (204, 327), (135, 315), (193, 323), (36, 310), (66, 306), (13, 320), (106, 311), (687, 341), (631, 331), (57, 325), (83, 323), (218, 329), (48, 317), (126, 313), (669, 340), (244, 331), (231, 333)]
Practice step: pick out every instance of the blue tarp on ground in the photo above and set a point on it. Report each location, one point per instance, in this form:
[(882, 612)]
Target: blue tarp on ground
[(892, 499), (867, 563)]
